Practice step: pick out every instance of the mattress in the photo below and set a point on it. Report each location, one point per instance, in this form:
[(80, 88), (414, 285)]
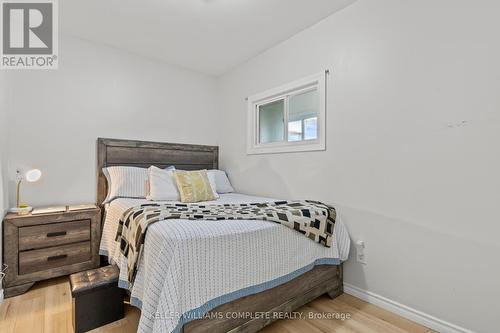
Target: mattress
[(189, 267)]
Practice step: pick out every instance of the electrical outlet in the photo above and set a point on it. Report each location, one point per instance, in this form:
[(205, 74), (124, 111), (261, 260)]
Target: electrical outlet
[(360, 252)]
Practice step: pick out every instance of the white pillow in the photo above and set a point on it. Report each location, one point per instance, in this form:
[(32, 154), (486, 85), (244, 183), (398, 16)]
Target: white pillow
[(222, 183), (125, 182), (162, 185), (213, 184)]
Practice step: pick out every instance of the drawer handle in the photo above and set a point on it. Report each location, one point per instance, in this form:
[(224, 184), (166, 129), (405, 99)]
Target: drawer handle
[(55, 234), (61, 256)]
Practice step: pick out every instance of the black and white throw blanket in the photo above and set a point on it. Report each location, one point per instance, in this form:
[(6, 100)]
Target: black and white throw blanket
[(313, 219)]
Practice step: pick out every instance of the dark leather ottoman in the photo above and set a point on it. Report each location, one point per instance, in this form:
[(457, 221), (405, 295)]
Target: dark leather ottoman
[(97, 300)]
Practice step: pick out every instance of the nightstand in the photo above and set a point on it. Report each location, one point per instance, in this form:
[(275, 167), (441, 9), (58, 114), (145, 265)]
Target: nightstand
[(38, 247)]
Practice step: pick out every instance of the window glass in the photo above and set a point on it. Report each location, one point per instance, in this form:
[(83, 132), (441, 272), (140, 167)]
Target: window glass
[(311, 128), (295, 130), (271, 121), (303, 109)]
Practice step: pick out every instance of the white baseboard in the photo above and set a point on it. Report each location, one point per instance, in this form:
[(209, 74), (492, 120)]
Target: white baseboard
[(404, 311)]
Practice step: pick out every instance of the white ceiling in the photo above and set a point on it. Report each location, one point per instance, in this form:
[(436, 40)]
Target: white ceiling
[(209, 36)]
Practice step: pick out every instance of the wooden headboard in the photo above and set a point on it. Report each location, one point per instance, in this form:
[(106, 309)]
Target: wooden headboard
[(112, 152)]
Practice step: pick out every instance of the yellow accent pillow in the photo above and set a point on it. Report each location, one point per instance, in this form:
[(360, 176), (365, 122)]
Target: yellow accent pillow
[(194, 186)]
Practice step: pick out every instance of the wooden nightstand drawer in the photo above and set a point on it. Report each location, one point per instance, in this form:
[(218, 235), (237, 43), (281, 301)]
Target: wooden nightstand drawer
[(39, 247), (44, 259), (40, 236)]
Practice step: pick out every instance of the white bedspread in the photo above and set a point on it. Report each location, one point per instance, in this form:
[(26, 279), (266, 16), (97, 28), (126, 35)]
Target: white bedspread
[(190, 267)]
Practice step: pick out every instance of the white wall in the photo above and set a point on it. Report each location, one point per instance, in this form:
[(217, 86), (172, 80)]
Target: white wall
[(97, 91), (412, 158), (4, 106)]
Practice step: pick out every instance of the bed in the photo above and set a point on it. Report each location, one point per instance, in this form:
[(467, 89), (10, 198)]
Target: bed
[(214, 276)]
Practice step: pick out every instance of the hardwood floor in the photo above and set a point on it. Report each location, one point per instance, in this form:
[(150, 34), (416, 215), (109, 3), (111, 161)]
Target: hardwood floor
[(46, 308)]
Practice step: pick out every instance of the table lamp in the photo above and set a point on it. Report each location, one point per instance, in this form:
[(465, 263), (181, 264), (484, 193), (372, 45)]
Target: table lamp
[(30, 176)]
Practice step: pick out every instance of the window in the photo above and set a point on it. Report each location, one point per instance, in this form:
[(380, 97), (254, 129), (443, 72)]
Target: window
[(271, 121), (288, 118)]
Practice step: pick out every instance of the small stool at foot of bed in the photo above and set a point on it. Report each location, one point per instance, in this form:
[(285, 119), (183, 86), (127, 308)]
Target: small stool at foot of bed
[(97, 299)]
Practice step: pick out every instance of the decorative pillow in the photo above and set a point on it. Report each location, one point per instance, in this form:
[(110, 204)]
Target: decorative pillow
[(213, 184), (162, 184), (125, 182), (194, 186), (222, 183)]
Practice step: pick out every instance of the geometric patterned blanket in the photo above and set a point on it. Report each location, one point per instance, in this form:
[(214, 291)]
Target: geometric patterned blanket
[(312, 218)]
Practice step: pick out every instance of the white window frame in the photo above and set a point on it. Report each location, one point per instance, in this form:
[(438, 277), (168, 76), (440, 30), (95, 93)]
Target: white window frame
[(299, 86)]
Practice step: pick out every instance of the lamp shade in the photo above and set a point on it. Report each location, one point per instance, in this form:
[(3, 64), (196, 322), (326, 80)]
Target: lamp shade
[(33, 175)]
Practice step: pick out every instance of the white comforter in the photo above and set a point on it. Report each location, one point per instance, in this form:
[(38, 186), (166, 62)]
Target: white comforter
[(189, 267)]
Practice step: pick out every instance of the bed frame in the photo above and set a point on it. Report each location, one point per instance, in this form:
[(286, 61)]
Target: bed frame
[(323, 279)]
